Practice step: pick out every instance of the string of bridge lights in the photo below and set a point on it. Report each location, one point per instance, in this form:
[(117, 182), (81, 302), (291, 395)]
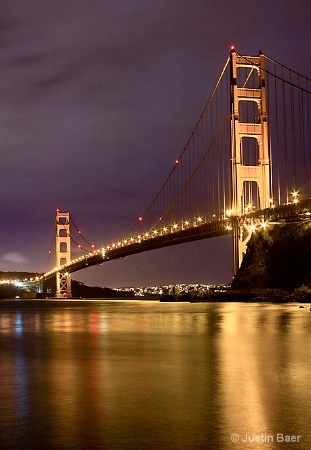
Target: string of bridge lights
[(169, 229), (175, 227)]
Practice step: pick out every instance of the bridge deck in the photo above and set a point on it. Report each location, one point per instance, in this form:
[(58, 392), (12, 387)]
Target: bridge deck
[(288, 212)]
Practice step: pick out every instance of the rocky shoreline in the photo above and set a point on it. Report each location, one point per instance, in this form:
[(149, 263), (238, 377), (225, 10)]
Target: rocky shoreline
[(268, 295), (299, 295)]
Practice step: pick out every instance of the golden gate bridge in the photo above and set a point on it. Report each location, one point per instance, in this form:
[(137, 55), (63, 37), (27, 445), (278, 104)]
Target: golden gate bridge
[(246, 163)]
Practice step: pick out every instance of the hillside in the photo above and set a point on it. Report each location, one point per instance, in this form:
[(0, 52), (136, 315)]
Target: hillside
[(79, 290), (277, 258)]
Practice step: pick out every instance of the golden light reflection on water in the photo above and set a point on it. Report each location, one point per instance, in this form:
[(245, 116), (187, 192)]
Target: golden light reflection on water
[(265, 373), (138, 374), (242, 376)]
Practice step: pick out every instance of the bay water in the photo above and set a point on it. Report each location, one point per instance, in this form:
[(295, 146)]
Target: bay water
[(113, 374)]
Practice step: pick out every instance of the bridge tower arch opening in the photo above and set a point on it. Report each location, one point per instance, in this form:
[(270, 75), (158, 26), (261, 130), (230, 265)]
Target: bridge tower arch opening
[(63, 254), (251, 165)]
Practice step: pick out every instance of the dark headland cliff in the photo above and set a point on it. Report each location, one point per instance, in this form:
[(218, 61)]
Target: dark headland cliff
[(277, 264), (278, 257), (276, 267)]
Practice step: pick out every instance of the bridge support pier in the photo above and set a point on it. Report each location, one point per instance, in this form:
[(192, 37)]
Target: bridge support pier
[(63, 285), (63, 279), (242, 234)]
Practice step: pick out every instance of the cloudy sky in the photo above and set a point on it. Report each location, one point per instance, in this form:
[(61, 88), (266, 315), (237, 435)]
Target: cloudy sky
[(98, 97)]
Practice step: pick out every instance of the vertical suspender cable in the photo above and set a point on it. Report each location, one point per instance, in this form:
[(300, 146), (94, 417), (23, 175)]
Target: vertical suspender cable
[(302, 130), (285, 137), (309, 132), (277, 124), (293, 134)]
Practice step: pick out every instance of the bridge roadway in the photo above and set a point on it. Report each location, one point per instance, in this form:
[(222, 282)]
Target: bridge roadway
[(287, 212), (143, 244)]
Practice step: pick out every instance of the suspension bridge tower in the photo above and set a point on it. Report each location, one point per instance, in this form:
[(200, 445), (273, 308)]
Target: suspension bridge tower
[(249, 145), (63, 279)]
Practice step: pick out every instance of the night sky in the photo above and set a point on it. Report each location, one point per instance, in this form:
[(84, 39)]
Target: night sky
[(98, 98)]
